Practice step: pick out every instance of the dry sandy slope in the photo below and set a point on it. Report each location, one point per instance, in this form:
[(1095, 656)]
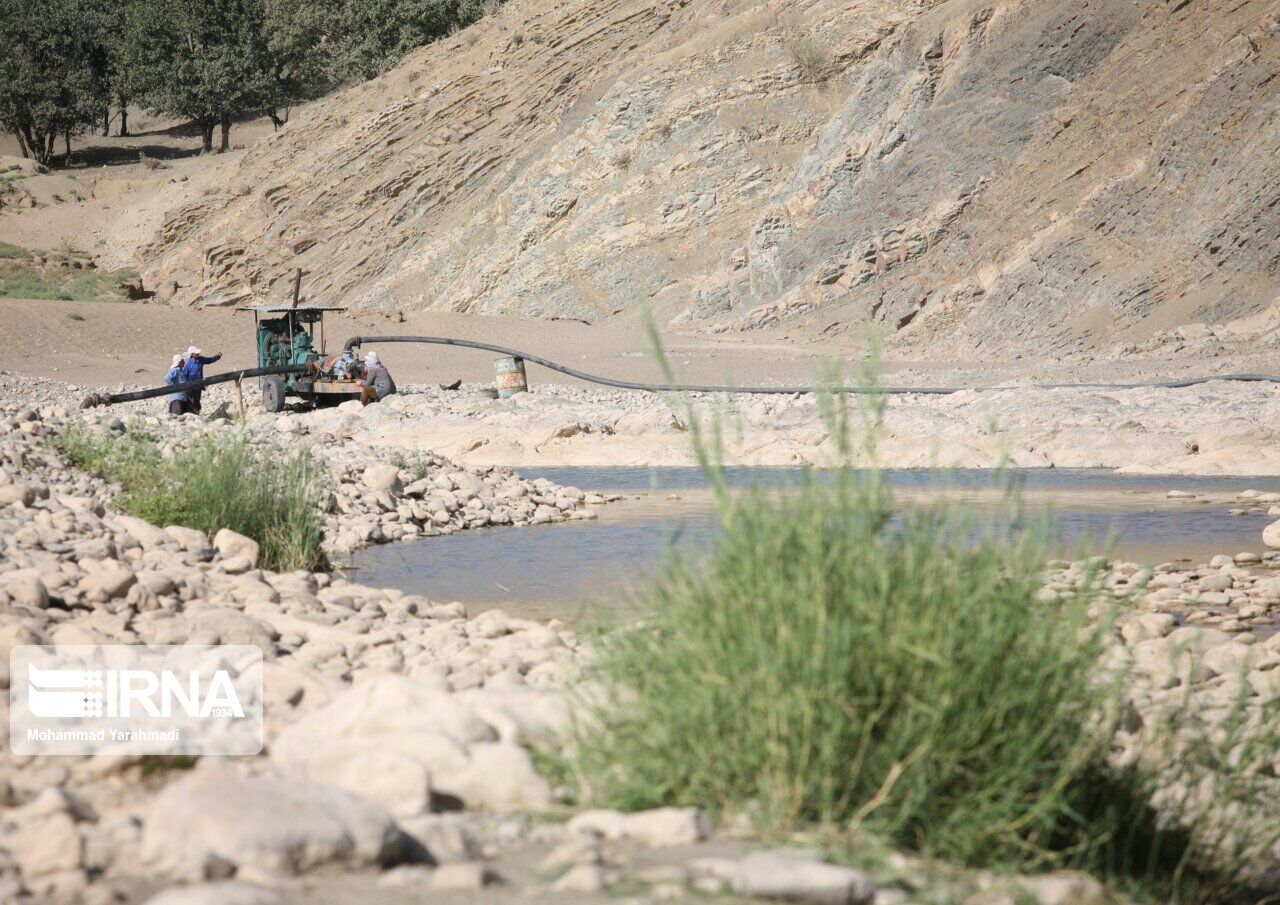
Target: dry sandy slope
[(116, 191)]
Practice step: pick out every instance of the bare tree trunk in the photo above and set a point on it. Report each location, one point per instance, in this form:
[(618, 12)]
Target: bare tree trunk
[(106, 121), (123, 103), (66, 138), (44, 147), (22, 144), (206, 136), (226, 135)]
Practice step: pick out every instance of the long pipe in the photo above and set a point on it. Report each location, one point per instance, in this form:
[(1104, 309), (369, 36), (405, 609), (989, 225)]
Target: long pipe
[(700, 388), (94, 399)]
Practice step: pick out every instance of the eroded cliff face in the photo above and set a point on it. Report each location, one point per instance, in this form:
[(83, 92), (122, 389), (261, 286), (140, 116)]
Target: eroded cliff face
[(965, 176)]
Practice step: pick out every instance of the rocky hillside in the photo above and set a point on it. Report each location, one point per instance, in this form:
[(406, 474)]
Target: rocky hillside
[(970, 175)]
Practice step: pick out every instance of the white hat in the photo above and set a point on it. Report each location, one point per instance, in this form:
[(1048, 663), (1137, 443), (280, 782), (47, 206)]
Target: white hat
[(177, 360), (371, 358), (193, 350)]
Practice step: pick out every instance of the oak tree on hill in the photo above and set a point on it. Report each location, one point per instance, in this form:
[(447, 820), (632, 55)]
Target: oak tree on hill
[(196, 59), (52, 66), (371, 36), (65, 63), (111, 18), (298, 58)]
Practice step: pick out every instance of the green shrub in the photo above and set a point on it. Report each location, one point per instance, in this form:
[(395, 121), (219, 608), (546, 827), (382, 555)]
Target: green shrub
[(837, 666), (810, 57), (218, 481), (415, 463), (20, 277)]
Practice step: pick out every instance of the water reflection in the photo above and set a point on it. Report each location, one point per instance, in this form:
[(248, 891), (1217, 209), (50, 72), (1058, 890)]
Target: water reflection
[(571, 569)]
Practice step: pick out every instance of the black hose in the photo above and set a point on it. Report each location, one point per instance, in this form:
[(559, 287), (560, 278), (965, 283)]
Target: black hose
[(112, 398), (94, 399), (698, 388)]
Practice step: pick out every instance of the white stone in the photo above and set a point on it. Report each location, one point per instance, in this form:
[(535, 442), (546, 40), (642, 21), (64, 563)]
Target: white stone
[(581, 878), (382, 477), (463, 876), (452, 745), (229, 543), (264, 826), (659, 827), (668, 826), (17, 494), (1064, 889), (142, 531), (793, 878), (394, 780), (46, 845), (114, 582), (188, 538), (26, 589), (226, 893), (498, 776)]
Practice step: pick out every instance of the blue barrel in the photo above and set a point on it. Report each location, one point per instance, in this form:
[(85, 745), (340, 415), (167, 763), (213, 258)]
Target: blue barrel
[(510, 377)]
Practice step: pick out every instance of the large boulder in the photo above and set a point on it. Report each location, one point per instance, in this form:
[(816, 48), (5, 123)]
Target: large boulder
[(142, 531), (25, 587), (437, 746), (229, 543), (108, 583), (382, 477), (17, 495), (265, 827)]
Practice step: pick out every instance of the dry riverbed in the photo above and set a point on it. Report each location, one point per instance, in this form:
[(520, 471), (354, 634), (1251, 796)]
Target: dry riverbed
[(399, 730), (1140, 431)]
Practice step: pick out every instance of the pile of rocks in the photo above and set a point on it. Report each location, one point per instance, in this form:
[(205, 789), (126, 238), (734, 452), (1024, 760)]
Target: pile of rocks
[(398, 737), (396, 727), (439, 706), (1234, 594), (378, 495), (1197, 655), (373, 503)]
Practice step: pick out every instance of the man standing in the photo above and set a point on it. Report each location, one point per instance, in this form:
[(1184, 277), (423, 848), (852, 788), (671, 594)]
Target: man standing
[(194, 370), (176, 375)]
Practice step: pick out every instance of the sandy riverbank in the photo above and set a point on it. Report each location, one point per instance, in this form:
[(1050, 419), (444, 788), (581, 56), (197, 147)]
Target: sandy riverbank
[(1216, 428)]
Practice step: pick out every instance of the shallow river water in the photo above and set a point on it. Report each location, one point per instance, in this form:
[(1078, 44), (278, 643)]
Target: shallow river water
[(576, 569)]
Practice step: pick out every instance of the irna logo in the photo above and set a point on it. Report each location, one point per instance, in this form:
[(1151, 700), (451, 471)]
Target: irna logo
[(63, 693), (123, 699)]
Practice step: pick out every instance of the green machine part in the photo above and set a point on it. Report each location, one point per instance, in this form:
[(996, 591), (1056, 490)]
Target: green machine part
[(281, 341)]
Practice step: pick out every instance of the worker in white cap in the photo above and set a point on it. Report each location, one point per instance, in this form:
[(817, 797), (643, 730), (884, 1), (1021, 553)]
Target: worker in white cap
[(176, 375), (377, 379), (194, 370)]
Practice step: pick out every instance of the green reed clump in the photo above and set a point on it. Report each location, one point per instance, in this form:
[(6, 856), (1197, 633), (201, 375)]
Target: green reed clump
[(217, 481), (838, 666)]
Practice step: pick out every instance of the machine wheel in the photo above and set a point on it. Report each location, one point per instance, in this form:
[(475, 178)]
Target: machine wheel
[(273, 393)]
